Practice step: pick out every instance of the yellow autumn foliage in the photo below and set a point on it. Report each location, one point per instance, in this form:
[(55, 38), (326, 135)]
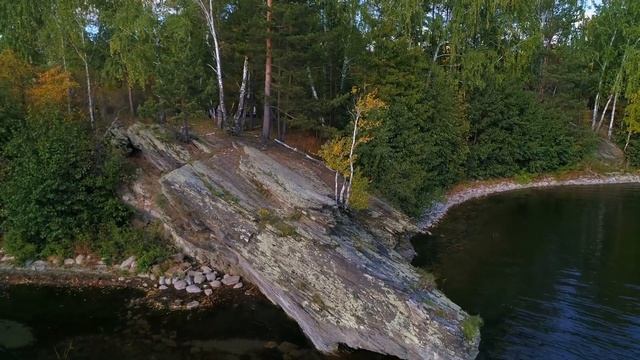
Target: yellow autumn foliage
[(51, 89)]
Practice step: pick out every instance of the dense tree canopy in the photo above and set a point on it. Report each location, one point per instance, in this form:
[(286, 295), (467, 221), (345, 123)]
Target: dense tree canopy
[(473, 88)]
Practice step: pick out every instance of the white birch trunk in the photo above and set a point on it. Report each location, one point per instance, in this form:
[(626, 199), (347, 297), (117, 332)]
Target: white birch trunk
[(344, 72), (353, 146), (314, 93), (626, 145), (242, 97), (335, 189), (613, 116), (603, 113), (89, 96), (208, 15), (83, 57), (604, 69), (594, 116)]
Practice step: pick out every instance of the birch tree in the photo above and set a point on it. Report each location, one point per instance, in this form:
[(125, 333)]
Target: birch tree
[(77, 17), (340, 153), (132, 46), (242, 97), (207, 11)]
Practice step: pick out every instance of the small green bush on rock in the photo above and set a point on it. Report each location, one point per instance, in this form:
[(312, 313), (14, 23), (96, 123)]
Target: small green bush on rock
[(471, 327)]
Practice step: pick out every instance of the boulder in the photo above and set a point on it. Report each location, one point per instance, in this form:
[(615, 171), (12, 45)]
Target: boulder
[(192, 305), (193, 289), (128, 263), (230, 280), (39, 265), (180, 285), (80, 259)]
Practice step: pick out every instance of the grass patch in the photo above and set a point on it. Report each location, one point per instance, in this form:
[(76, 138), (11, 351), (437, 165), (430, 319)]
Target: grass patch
[(523, 178), (427, 280), (161, 201), (283, 229), (147, 244), (471, 327)]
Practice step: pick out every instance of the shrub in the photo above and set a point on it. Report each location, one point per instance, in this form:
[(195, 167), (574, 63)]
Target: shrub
[(56, 186), (148, 244), (471, 327)]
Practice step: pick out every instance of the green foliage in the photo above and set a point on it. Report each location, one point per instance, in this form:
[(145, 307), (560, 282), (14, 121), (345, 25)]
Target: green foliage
[(512, 133), (359, 198), (57, 186), (148, 244), (420, 145), (471, 327)]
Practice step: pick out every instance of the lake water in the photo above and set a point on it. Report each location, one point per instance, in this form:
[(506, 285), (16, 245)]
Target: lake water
[(39, 322), (554, 273)]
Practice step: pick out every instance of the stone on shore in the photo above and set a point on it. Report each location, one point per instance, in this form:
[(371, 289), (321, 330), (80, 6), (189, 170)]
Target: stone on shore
[(80, 259), (193, 289), (192, 305), (180, 285), (128, 263), (198, 279), (215, 284), (163, 287), (208, 292), (238, 286), (39, 265), (69, 262), (205, 269), (211, 276), (230, 280)]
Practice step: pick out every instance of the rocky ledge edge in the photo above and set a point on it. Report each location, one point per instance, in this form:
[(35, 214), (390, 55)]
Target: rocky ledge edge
[(481, 189), (269, 216)]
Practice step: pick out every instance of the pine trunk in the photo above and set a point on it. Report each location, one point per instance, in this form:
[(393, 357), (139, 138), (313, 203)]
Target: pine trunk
[(266, 115)]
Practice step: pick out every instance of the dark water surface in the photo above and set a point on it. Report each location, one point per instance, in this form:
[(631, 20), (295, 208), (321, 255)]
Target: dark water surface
[(555, 273), (92, 323)]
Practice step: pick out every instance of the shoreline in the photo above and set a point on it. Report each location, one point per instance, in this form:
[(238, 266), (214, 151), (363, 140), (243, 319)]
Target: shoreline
[(478, 189), (150, 293)]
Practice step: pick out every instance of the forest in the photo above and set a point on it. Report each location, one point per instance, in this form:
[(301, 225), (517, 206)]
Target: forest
[(403, 99)]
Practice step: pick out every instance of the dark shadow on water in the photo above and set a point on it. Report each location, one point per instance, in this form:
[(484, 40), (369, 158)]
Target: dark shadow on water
[(98, 323)]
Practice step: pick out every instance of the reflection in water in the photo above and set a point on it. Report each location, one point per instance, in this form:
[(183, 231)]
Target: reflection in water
[(555, 273)]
